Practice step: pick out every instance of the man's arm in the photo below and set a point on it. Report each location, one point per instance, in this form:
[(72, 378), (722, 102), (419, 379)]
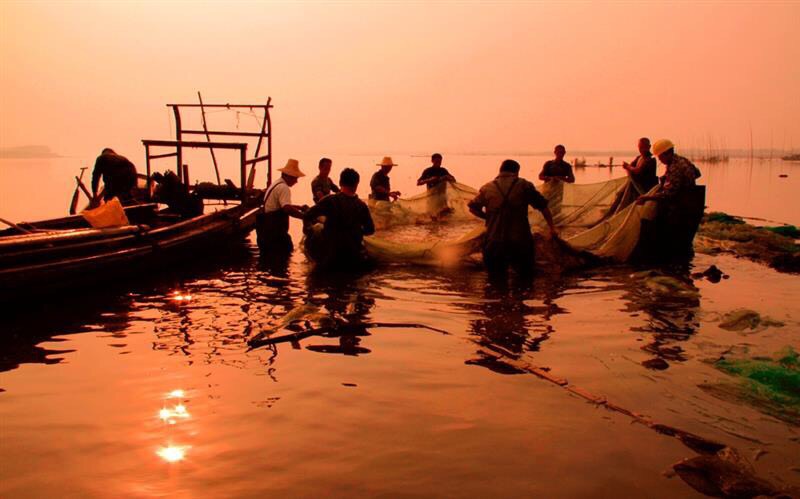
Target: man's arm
[(294, 210), (97, 172), (543, 175), (367, 225), (476, 206), (569, 178)]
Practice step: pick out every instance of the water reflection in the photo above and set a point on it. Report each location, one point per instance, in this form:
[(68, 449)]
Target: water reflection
[(669, 302), (172, 413)]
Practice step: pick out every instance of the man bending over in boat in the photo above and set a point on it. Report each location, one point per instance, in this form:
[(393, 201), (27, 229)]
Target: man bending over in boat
[(340, 245), (435, 174), (557, 169), (680, 204), (322, 185), (272, 227), (119, 177), (503, 203)]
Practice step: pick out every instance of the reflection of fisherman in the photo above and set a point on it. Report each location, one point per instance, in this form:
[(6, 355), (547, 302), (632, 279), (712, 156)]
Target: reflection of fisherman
[(347, 221), (642, 170), (380, 184), (680, 203), (322, 185), (503, 203), (119, 177), (557, 169), (273, 224), (435, 174)]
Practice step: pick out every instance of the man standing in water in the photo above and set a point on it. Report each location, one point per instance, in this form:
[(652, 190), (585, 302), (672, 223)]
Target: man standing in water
[(435, 174), (273, 224), (119, 177), (680, 204), (380, 184), (557, 169), (322, 185), (642, 170), (347, 220), (503, 203)]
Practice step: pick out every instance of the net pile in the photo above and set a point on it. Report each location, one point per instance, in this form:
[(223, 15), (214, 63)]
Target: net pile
[(595, 220)]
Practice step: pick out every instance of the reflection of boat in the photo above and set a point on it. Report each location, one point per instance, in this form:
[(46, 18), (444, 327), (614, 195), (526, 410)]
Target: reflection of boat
[(791, 157), (53, 254)]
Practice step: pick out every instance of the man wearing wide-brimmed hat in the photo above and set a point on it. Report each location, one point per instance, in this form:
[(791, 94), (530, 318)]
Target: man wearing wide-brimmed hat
[(273, 223), (380, 184)]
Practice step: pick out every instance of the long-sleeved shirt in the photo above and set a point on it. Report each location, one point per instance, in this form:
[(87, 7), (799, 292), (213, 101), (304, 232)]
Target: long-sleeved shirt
[(680, 177)]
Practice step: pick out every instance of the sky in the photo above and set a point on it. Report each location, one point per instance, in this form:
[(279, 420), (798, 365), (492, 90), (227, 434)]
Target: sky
[(405, 77)]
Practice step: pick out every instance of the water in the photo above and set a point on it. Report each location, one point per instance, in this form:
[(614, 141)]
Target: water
[(148, 389)]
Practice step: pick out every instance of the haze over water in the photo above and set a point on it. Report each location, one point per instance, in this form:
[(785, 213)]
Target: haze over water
[(148, 389)]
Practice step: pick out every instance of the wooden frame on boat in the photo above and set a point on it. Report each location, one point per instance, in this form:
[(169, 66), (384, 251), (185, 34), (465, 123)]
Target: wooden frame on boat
[(49, 255)]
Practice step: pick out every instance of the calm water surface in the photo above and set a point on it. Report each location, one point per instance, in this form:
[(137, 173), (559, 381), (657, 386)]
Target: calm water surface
[(149, 389)]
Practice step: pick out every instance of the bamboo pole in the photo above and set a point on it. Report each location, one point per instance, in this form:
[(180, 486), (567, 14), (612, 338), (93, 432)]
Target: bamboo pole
[(208, 136)]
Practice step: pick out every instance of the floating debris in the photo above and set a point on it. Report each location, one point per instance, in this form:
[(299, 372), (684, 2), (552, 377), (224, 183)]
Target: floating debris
[(743, 319), (713, 274), (724, 474)]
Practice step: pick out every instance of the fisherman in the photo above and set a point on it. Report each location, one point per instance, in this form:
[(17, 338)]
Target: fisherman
[(680, 204), (503, 203), (642, 170), (435, 174), (273, 223), (380, 185), (340, 245), (119, 177), (557, 169), (322, 185)]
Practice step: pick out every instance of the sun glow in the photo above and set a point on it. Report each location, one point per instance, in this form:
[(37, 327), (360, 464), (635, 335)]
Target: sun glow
[(173, 453)]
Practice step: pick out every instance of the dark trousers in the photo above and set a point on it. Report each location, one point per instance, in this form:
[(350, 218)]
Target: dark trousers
[(499, 256), (272, 233)]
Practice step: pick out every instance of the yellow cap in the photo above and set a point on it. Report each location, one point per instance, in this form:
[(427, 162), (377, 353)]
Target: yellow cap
[(662, 146)]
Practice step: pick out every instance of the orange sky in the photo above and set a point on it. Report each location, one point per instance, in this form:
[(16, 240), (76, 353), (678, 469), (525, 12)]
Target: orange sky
[(455, 77)]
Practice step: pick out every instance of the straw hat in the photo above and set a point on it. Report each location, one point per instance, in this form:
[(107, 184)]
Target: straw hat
[(662, 146), (292, 169), (387, 161)]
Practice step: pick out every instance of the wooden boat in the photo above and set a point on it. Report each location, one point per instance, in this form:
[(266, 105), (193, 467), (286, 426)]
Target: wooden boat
[(51, 255)]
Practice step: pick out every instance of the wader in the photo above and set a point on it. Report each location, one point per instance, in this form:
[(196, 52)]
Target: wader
[(500, 254), (272, 230)]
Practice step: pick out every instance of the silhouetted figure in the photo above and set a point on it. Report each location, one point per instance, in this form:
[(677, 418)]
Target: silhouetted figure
[(557, 169), (322, 185), (172, 192), (380, 184), (435, 174), (272, 226), (118, 174), (503, 203), (680, 207), (642, 170), (340, 243)]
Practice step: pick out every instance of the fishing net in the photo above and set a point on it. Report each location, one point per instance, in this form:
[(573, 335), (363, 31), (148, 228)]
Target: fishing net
[(597, 219), (448, 200)]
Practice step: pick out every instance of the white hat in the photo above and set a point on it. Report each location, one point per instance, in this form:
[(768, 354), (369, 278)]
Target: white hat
[(292, 169), (387, 161)]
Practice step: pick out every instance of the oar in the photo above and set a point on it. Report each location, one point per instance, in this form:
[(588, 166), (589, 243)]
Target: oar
[(73, 206), (15, 226)]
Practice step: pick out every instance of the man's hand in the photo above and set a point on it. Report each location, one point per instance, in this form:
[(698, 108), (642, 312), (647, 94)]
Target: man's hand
[(394, 195), (643, 199)]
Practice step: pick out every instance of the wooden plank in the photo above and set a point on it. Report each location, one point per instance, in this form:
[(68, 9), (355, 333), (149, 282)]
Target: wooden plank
[(230, 134), (194, 144), (208, 138), (256, 160), (258, 106)]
